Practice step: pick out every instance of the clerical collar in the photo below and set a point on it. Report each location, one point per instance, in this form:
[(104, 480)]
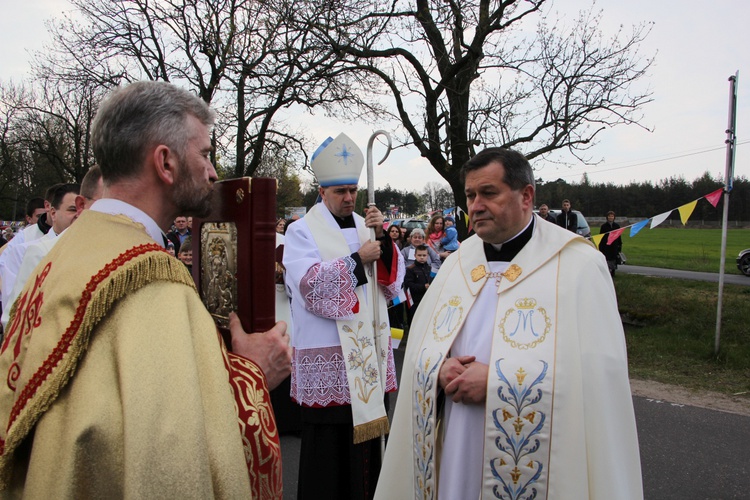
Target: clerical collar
[(505, 252), (41, 223), (344, 222), (113, 206)]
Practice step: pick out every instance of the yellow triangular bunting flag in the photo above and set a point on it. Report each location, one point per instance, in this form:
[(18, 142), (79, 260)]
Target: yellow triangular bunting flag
[(597, 238), (686, 211)]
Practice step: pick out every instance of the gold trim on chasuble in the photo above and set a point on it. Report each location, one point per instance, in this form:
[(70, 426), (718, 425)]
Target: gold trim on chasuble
[(519, 402), (445, 325)]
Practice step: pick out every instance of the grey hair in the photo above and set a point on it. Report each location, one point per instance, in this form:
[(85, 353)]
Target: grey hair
[(418, 231), (138, 116)]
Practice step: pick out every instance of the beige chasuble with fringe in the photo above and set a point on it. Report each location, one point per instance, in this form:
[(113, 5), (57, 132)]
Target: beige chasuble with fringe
[(115, 383)]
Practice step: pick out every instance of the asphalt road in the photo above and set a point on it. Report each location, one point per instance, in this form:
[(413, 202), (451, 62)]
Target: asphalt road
[(733, 279), (687, 453), (692, 453)]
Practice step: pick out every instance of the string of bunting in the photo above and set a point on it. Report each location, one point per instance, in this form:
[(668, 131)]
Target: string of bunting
[(685, 210), (461, 213)]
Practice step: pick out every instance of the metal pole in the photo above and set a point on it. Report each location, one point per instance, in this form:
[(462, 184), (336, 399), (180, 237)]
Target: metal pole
[(373, 266), (730, 142)]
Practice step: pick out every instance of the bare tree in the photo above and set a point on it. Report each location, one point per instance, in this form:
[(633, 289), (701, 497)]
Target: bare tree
[(436, 196), (111, 41), (56, 123), (41, 143), (289, 189), (463, 74), (14, 162), (444, 198), (248, 59), (45, 132), (278, 64)]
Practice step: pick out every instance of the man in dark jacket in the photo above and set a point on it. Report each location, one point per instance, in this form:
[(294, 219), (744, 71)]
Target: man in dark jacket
[(182, 231), (544, 214), (567, 219), (417, 279)]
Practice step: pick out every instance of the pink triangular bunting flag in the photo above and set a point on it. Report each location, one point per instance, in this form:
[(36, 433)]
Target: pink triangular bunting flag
[(713, 198), (613, 235)]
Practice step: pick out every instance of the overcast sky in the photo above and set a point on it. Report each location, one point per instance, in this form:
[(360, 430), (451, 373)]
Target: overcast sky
[(700, 45)]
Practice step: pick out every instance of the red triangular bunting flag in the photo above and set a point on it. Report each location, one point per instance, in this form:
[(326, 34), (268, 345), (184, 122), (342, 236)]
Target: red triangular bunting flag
[(613, 235), (714, 197)]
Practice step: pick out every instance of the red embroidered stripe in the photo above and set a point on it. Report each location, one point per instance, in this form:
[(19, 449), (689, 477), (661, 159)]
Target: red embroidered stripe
[(62, 347), (258, 427)]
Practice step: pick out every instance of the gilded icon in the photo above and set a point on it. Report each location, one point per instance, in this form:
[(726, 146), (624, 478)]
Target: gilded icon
[(219, 269)]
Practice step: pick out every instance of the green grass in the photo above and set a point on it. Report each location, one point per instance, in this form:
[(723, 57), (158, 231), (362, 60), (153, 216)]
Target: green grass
[(687, 249), (670, 328), (670, 325)]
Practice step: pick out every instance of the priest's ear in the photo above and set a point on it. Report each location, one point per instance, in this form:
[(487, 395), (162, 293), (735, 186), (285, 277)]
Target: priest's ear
[(527, 196), (165, 162), (80, 204)]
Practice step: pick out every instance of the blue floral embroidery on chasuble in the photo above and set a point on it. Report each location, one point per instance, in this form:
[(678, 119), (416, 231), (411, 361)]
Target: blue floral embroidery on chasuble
[(425, 378)]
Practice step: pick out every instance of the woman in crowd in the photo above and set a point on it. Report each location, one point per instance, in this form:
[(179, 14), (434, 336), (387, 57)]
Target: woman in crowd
[(611, 251), (395, 233), (417, 238), (396, 313), (435, 234), (281, 226)]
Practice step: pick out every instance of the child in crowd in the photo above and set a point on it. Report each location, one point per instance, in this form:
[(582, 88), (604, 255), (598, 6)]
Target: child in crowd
[(450, 240), (417, 279), (186, 253)]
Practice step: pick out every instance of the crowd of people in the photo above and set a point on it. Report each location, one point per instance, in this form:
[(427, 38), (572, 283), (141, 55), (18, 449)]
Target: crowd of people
[(111, 359)]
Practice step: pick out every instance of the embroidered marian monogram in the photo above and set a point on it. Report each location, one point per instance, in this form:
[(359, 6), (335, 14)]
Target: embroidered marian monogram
[(447, 319), (528, 330)]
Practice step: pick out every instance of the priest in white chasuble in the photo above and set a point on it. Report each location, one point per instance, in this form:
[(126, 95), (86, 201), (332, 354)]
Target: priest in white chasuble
[(515, 379), (342, 366)]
